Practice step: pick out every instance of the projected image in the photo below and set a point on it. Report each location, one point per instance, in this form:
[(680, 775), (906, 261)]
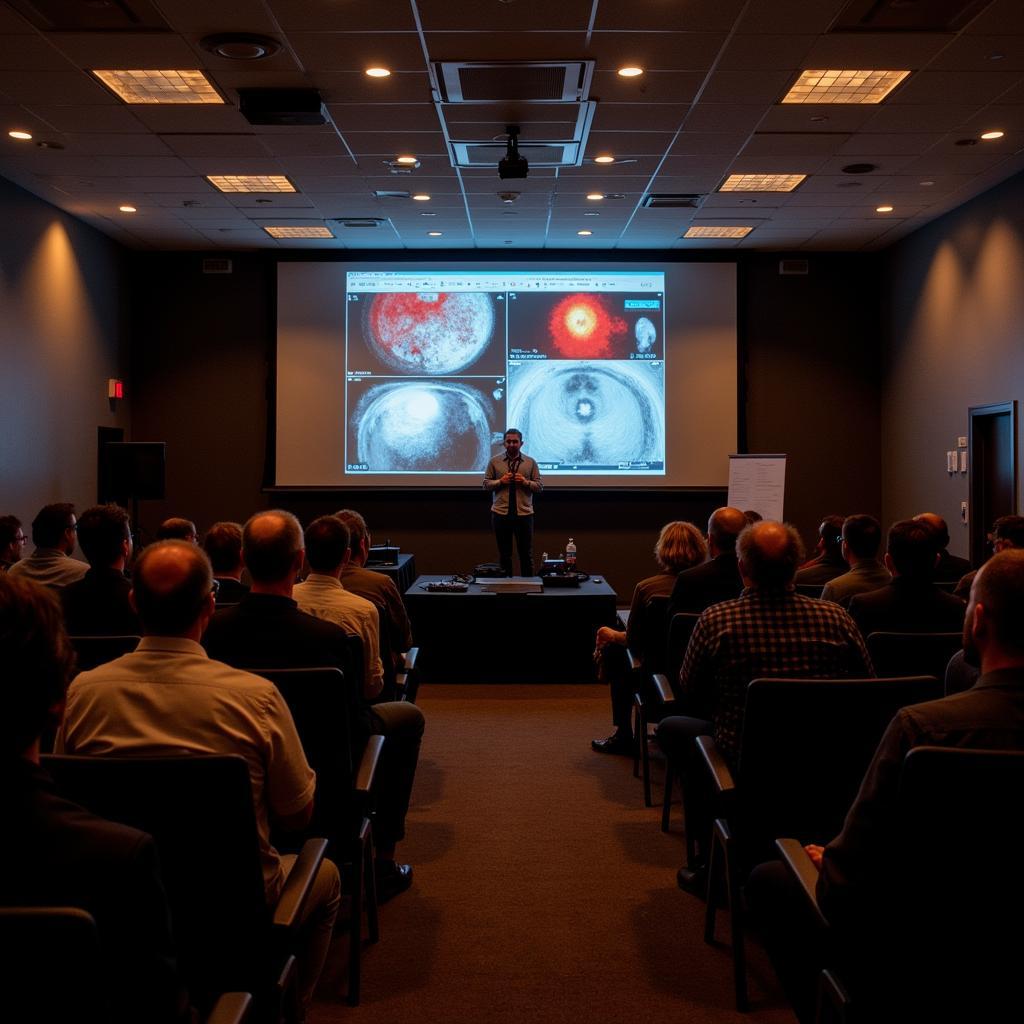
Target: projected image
[(421, 426), (426, 333), (586, 325), (586, 416)]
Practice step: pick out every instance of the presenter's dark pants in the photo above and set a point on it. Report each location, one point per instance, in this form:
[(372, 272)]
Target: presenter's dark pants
[(521, 529)]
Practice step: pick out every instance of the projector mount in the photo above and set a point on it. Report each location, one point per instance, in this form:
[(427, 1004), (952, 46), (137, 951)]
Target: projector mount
[(513, 165)]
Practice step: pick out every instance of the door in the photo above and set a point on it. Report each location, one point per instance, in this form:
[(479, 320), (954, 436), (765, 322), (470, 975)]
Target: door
[(993, 471)]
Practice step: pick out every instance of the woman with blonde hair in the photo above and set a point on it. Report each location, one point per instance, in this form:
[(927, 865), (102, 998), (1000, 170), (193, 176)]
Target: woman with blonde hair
[(680, 546)]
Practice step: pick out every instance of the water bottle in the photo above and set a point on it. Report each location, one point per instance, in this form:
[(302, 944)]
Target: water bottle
[(570, 556)]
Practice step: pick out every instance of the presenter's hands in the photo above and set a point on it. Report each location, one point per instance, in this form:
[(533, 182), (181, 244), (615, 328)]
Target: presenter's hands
[(606, 635), (507, 478), (520, 479)]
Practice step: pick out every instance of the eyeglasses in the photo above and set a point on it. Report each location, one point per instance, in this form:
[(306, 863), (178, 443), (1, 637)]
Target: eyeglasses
[(216, 588), (21, 539)]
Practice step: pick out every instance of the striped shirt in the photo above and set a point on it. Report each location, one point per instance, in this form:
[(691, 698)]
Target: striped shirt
[(764, 633)]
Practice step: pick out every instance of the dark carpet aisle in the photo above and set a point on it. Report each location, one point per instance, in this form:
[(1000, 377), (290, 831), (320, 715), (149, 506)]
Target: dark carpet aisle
[(544, 889)]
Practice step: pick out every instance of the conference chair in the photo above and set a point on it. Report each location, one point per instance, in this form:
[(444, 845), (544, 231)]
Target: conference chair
[(936, 937), (913, 654), (810, 589), (343, 808), (98, 650), (52, 970), (199, 810), (805, 746)]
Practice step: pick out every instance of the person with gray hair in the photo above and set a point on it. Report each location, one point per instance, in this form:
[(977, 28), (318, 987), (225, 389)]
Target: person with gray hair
[(769, 630)]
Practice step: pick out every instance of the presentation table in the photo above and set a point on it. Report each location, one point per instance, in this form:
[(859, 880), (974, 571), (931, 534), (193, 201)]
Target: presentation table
[(478, 636), (403, 574)]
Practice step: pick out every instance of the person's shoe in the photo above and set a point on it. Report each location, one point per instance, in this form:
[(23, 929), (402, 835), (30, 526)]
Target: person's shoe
[(617, 743), (392, 878), (693, 879)]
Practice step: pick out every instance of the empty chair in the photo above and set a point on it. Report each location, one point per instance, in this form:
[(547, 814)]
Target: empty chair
[(98, 650), (913, 654)]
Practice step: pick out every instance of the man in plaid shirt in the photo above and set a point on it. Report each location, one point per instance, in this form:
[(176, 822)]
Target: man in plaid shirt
[(768, 631)]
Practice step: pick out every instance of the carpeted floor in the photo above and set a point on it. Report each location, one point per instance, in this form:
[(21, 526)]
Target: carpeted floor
[(544, 890)]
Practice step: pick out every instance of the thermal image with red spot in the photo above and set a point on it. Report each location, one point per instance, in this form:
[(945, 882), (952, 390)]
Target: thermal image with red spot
[(582, 327)]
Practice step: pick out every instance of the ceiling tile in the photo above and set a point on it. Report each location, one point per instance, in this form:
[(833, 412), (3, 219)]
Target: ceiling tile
[(773, 16), (746, 87), (765, 52), (656, 51), (808, 117), (330, 16), (643, 117), (399, 117), (654, 87), (356, 51), (66, 88), (877, 51), (483, 46), (239, 146), (795, 144), (937, 87), (724, 117), (89, 118), (124, 49), (659, 16), (355, 87)]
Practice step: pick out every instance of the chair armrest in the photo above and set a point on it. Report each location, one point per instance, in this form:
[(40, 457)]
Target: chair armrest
[(230, 1008), (663, 688), (636, 662), (721, 775), (299, 884), (802, 870), (410, 657), (367, 772)]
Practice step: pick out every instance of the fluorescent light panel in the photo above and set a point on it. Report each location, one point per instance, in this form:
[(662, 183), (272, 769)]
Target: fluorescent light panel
[(761, 182), (288, 232), (709, 231), (844, 86), (160, 86), (250, 182)]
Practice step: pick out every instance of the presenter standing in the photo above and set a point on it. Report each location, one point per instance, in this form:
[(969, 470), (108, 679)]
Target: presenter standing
[(514, 478)]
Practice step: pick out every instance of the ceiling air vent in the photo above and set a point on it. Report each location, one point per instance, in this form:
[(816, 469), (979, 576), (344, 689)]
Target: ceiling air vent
[(672, 201), (539, 154), (390, 193), (361, 222), (801, 267), (550, 81), (215, 266)]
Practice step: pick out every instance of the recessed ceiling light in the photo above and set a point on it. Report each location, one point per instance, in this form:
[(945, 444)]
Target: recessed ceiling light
[(595, 196), (160, 86), (992, 135), (630, 71), (591, 213), (435, 234), (378, 72), (926, 183), (239, 46), (843, 86), (584, 232), (712, 231), (288, 231), (128, 209), (23, 136), (250, 182), (761, 182), (606, 159), (883, 209), (406, 160), (421, 197)]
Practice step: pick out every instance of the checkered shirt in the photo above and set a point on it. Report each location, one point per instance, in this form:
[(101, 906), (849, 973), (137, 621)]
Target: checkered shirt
[(763, 634)]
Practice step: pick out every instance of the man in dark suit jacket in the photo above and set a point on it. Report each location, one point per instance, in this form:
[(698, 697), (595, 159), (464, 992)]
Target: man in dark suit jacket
[(223, 543), (911, 602), (266, 629), (718, 579), (949, 568), (57, 854)]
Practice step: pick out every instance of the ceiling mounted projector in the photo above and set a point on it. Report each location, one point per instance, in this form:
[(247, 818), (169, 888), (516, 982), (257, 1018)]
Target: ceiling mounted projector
[(512, 165)]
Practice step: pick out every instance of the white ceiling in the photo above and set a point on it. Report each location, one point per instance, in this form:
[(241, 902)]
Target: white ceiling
[(707, 106)]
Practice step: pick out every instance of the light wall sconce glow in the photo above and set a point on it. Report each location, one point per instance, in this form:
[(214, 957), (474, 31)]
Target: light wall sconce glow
[(421, 197), (250, 182), (167, 86), (992, 135), (289, 231), (595, 196), (21, 136), (378, 72), (584, 233), (606, 159), (883, 209), (435, 234), (713, 231), (838, 86), (630, 71), (128, 209), (406, 160), (761, 182)]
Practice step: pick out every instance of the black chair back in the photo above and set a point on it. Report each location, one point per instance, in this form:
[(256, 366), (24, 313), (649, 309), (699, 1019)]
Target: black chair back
[(810, 589), (651, 634), (913, 654), (680, 629), (51, 969), (805, 746), (199, 810), (98, 650)]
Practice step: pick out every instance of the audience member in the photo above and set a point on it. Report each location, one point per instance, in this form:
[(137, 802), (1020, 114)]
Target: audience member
[(177, 529), (56, 853), (770, 630), (266, 629), (855, 888), (910, 602), (322, 595), (1007, 532), (223, 544), (862, 537), (828, 562), (680, 547), (949, 567), (168, 697), (752, 517), (718, 579), (53, 534), (98, 604), (12, 540)]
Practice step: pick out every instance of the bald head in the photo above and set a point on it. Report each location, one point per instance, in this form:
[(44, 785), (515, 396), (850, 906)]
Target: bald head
[(172, 588), (938, 524), (995, 616), (724, 526), (769, 553), (271, 546)]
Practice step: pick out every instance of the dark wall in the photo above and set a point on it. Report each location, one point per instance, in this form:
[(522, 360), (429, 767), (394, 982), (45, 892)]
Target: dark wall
[(202, 365)]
